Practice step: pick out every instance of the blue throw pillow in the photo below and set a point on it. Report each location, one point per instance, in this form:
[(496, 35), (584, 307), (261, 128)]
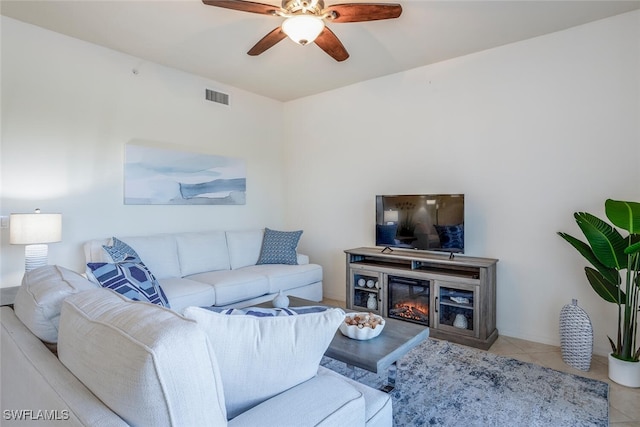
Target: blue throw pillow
[(269, 312), (120, 251), (386, 234), (279, 247), (451, 236), (131, 279)]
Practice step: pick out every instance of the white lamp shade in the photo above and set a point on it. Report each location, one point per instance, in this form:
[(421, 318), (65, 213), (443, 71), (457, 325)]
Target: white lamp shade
[(303, 29), (390, 216), (35, 228)]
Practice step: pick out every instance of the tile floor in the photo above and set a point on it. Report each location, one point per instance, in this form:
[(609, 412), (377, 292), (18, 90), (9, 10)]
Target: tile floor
[(624, 402)]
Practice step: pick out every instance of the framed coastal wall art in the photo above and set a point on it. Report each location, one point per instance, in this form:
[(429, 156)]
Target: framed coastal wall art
[(161, 176)]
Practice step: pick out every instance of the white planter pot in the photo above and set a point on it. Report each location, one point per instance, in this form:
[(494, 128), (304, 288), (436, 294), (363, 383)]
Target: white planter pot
[(624, 373)]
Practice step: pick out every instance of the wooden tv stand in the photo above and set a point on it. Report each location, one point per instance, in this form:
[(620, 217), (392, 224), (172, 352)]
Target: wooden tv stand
[(454, 295)]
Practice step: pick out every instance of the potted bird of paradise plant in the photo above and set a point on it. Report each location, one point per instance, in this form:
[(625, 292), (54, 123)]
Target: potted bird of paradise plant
[(616, 262)]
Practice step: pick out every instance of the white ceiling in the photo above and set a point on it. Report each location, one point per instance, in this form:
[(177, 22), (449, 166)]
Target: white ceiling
[(212, 42)]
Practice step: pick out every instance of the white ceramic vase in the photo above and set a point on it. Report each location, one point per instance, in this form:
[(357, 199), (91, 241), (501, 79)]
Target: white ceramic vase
[(624, 373), (576, 336), (460, 321), (281, 301), (372, 302)]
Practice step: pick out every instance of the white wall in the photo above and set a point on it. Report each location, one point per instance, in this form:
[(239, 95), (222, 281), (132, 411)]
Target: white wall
[(529, 132), (69, 108)]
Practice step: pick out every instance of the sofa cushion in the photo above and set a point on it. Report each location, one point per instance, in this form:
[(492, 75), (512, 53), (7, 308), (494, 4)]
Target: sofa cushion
[(159, 253), (182, 293), (279, 247), (260, 357), (244, 247), (284, 277), (200, 252), (234, 285), (322, 401), (119, 251), (148, 364), (131, 279), (39, 298), (378, 404), (33, 378), (94, 250)]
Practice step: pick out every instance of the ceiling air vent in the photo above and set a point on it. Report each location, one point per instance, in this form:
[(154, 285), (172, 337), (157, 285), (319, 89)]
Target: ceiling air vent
[(219, 97)]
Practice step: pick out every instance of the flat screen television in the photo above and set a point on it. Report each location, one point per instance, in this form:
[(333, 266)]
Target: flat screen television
[(432, 222)]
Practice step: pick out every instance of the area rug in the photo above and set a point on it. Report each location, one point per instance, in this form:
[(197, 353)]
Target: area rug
[(445, 384)]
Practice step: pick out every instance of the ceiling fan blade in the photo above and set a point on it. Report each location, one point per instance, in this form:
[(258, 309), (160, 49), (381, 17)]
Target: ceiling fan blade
[(359, 12), (244, 6), (267, 41), (330, 43)]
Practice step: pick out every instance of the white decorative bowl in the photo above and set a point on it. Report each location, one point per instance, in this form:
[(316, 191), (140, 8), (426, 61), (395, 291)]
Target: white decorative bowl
[(364, 333)]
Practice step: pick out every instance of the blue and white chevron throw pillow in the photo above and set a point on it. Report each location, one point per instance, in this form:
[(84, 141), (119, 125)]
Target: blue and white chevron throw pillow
[(120, 251), (131, 279), (269, 312)]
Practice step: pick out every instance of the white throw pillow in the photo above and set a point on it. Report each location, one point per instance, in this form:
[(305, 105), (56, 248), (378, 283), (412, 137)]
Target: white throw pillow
[(260, 357)]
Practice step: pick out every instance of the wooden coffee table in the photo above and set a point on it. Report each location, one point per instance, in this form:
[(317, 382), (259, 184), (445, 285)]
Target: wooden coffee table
[(377, 354)]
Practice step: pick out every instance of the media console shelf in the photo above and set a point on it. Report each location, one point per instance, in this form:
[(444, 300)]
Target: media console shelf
[(455, 296)]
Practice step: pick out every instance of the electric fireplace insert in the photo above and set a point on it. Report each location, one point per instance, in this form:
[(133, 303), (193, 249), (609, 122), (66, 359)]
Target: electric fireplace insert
[(409, 299)]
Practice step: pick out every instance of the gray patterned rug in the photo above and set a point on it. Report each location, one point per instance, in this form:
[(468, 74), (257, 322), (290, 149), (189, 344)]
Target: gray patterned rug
[(444, 384)]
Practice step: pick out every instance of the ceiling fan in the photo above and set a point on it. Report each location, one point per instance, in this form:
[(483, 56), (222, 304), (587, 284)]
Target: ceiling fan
[(305, 21)]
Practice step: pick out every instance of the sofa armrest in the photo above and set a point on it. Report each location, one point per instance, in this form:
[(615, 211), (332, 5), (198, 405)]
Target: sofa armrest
[(320, 401), (28, 365), (303, 259), (379, 408)]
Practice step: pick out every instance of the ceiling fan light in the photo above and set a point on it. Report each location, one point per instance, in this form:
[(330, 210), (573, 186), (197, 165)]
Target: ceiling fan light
[(303, 29)]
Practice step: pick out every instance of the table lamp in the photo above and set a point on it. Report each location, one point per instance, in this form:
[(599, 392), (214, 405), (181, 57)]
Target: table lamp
[(35, 230), (390, 217)]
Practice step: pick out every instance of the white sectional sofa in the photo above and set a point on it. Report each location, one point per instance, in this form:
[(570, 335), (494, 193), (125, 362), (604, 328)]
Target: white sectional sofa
[(121, 363), (216, 268)]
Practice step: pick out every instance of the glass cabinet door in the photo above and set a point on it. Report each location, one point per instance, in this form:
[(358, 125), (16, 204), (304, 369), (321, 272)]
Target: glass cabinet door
[(457, 307), (366, 288)]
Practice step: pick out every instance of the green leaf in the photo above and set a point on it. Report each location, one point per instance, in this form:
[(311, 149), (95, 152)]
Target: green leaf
[(613, 346), (603, 287), (611, 274), (610, 253), (625, 215), (606, 242), (632, 249)]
